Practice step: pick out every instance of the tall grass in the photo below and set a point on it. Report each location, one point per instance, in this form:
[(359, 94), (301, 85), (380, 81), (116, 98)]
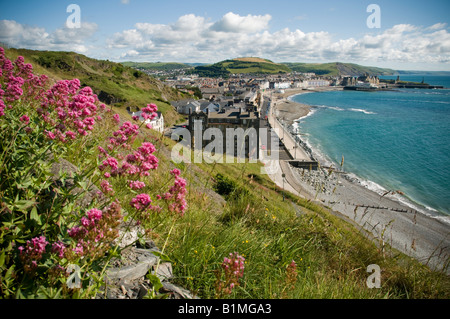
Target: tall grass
[(331, 255)]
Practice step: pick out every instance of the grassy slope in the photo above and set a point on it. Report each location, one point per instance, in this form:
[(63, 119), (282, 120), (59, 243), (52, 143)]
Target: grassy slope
[(336, 68), (253, 65), (116, 85), (332, 256), (258, 65), (157, 66)]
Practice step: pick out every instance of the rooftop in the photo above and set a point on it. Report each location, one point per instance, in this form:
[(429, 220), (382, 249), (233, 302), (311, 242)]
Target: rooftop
[(233, 113)]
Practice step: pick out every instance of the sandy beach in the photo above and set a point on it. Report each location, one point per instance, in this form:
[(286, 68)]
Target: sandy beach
[(288, 110), (411, 229)]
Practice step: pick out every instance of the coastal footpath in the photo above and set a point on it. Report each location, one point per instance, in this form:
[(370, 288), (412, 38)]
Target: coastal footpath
[(385, 217)]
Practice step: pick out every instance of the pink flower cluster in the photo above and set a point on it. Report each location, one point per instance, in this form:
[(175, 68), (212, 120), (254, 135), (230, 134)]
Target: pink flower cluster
[(234, 265), (149, 112), (176, 196), (141, 202), (25, 119), (32, 253), (88, 223), (96, 230), (70, 110), (124, 136), (107, 188), (291, 275), (17, 82), (139, 163), (233, 268), (136, 185), (59, 248)]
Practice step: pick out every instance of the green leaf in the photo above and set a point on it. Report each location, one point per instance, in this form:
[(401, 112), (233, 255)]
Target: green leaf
[(2, 259), (154, 280), (23, 205), (9, 272), (83, 185), (34, 215)]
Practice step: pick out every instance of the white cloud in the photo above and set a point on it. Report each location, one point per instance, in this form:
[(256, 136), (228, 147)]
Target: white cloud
[(67, 39), (231, 22), (437, 26), (193, 38)]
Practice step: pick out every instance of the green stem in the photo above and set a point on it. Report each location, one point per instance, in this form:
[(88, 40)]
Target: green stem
[(162, 251)]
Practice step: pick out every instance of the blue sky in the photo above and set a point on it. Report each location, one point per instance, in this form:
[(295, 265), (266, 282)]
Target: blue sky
[(413, 34)]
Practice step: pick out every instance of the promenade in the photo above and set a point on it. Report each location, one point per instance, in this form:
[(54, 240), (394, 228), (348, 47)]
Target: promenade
[(292, 147)]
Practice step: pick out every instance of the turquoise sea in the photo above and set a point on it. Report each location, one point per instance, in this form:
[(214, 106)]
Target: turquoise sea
[(391, 140)]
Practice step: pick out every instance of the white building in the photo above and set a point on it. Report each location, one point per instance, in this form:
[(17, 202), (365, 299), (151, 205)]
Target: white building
[(282, 85), (194, 106), (157, 123), (317, 83)]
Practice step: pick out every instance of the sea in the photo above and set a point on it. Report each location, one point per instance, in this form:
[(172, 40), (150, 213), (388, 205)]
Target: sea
[(395, 140)]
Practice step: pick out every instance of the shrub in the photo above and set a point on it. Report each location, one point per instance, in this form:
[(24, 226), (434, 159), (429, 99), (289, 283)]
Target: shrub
[(46, 229), (224, 186)]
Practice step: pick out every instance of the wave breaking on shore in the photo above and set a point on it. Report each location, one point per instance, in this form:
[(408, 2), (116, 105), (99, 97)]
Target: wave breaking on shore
[(325, 162)]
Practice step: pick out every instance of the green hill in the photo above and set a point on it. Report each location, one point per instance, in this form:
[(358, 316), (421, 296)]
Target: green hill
[(114, 83), (338, 69), (253, 65), (263, 66), (157, 66), (239, 66)]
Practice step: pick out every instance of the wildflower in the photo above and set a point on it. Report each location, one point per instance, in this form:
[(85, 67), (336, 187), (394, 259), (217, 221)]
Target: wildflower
[(177, 194), (50, 135), (32, 253), (25, 119), (116, 118), (102, 150), (78, 249), (106, 187), (175, 172), (149, 112), (94, 214), (291, 275), (111, 162), (233, 269), (141, 202), (96, 230), (136, 184), (59, 249), (71, 134)]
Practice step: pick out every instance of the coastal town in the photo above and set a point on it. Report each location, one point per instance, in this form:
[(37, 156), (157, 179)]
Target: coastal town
[(254, 101), (246, 102)]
